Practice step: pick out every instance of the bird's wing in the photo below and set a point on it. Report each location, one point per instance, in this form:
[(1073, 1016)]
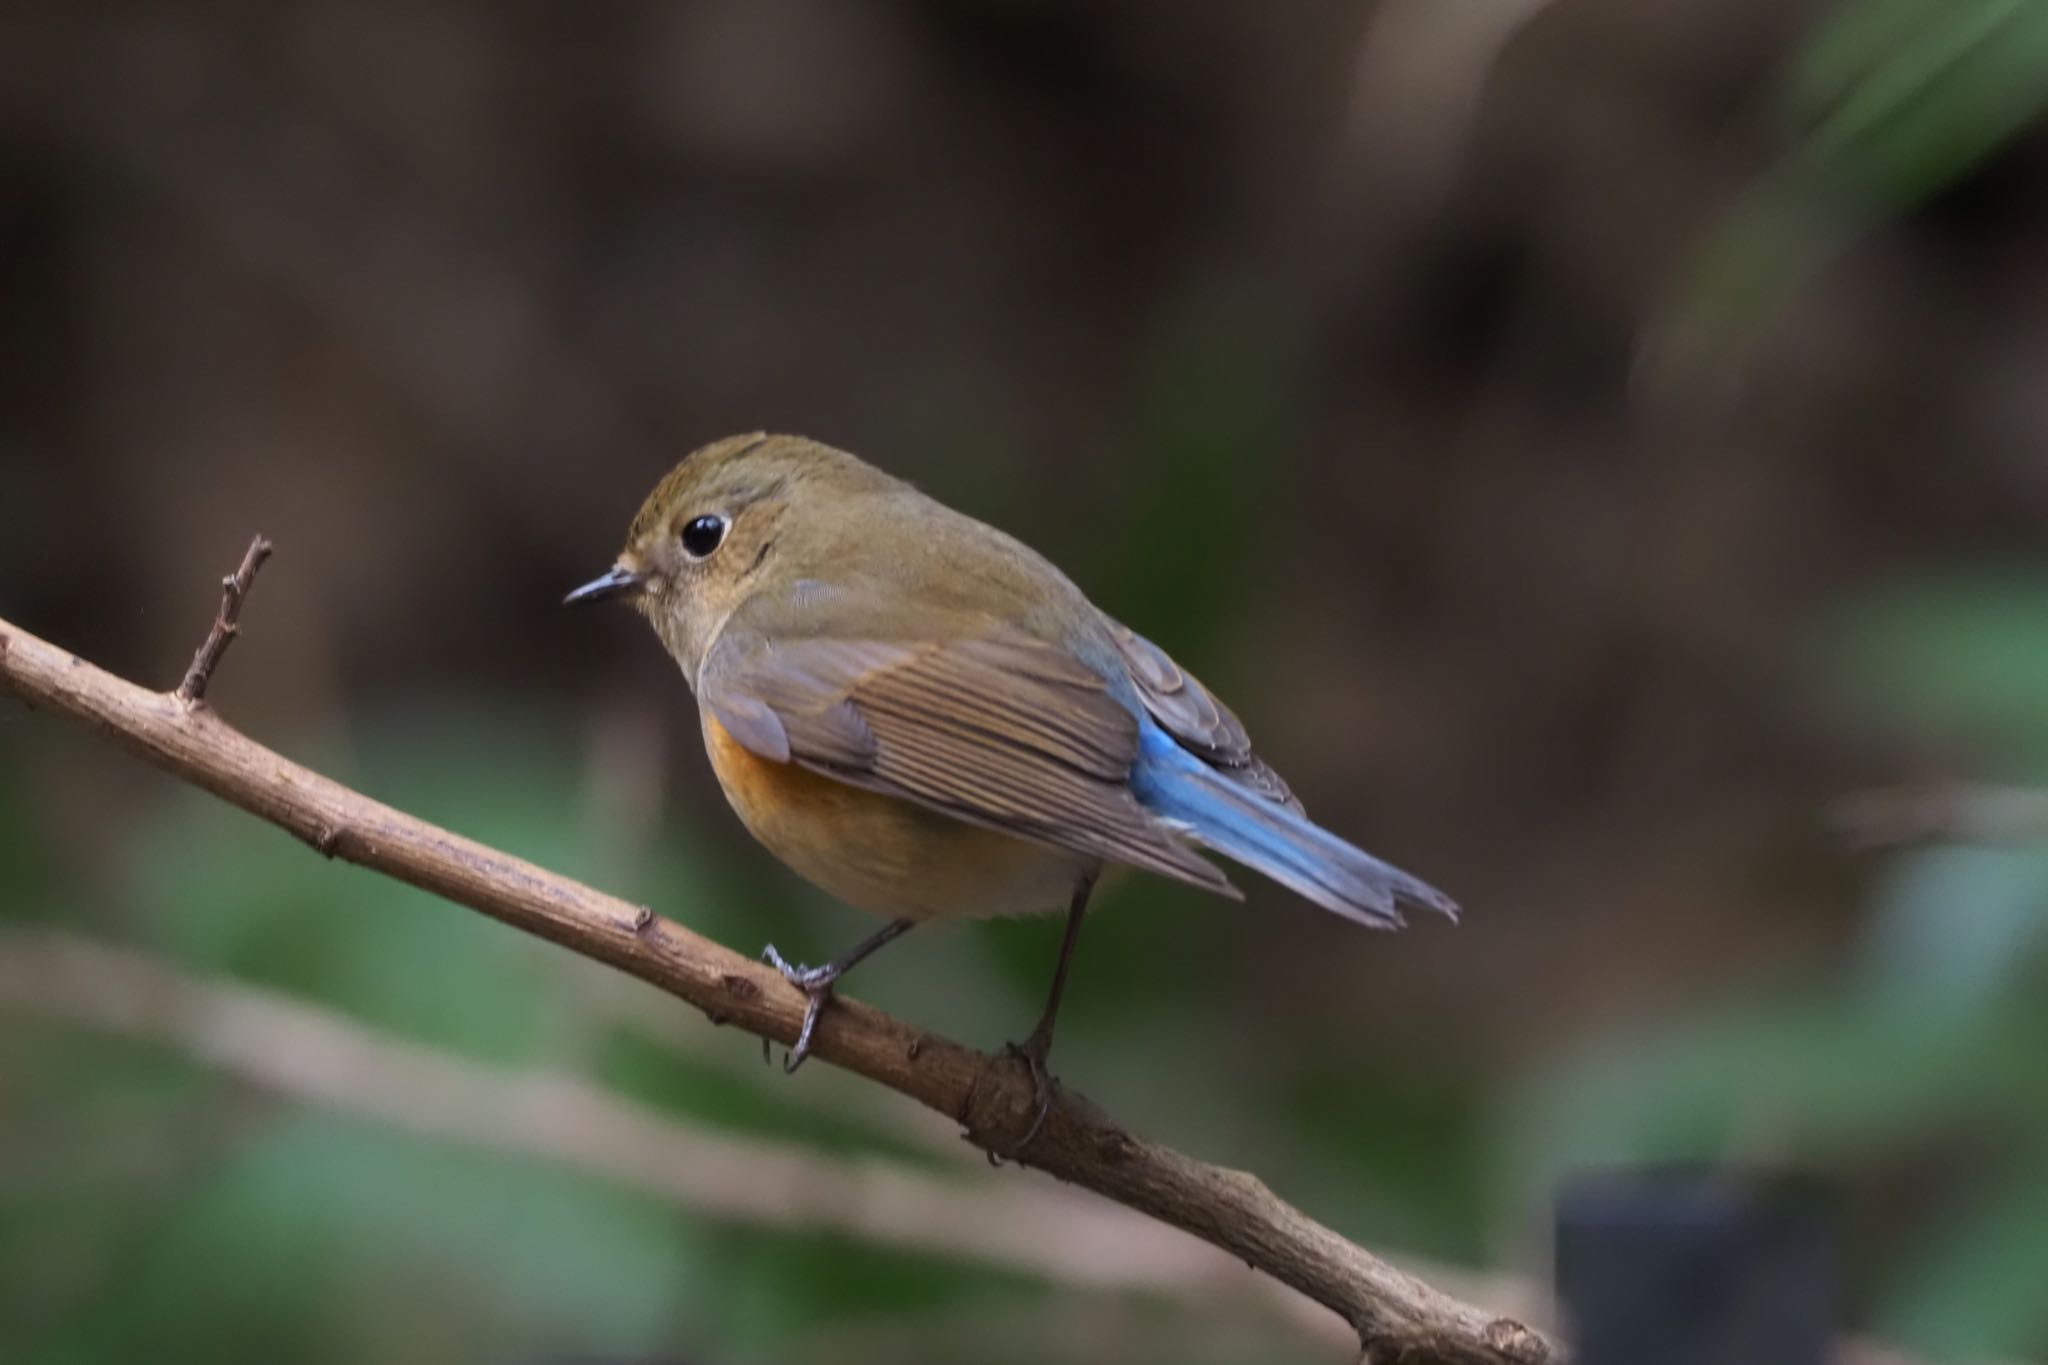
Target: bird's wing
[(991, 727), (1191, 714)]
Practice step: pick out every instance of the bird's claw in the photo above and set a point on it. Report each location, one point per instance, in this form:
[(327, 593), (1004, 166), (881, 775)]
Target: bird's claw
[(1032, 1052), (816, 984)]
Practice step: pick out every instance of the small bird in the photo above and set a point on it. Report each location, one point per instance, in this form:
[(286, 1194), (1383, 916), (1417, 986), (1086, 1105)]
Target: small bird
[(922, 716)]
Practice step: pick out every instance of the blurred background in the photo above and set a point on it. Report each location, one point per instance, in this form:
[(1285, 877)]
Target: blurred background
[(1593, 444)]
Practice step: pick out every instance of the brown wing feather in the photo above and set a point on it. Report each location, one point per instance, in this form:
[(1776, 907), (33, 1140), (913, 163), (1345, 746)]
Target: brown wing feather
[(996, 729), (1191, 713)]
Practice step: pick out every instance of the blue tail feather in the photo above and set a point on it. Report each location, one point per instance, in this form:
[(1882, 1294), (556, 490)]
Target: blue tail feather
[(1246, 827)]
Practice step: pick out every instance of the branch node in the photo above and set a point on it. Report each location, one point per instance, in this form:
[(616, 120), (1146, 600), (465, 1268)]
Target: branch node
[(1516, 1342), (234, 590), (643, 920), (996, 1116), (1115, 1147)]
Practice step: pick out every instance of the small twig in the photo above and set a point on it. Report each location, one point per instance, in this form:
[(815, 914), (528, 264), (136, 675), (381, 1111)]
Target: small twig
[(1393, 1312), (1957, 812), (234, 590)]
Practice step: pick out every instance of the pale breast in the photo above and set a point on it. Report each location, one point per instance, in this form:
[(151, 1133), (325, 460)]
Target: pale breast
[(880, 854)]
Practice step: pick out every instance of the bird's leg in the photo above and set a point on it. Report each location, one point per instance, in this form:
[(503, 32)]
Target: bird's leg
[(1035, 1048), (816, 984)]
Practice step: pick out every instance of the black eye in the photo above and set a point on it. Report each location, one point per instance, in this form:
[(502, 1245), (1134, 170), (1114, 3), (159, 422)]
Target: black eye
[(702, 536)]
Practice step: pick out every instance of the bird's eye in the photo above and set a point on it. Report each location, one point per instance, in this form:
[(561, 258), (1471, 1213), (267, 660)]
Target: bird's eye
[(703, 535)]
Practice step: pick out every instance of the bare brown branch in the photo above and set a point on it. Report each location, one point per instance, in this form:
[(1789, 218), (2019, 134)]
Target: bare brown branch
[(1063, 1236), (1396, 1316), (234, 590)]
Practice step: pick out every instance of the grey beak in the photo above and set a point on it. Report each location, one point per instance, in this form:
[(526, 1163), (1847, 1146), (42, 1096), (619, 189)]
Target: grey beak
[(617, 581)]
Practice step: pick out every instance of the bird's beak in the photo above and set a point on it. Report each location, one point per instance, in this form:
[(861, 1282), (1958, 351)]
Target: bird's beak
[(618, 581)]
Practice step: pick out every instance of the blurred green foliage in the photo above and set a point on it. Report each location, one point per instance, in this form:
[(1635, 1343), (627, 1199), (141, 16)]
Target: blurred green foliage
[(1956, 657), (262, 1231), (1887, 104), (152, 1208), (1922, 1054), (1925, 1048), (1900, 97), (174, 1213)]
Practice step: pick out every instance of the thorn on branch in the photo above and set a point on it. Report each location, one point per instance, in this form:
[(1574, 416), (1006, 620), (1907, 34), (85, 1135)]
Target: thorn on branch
[(234, 589)]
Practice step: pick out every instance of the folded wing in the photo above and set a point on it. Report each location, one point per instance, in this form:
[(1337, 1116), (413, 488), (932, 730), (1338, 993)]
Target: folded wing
[(991, 727)]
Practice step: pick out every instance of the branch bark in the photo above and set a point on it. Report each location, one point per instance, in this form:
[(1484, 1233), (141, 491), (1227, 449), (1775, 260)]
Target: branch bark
[(1397, 1317)]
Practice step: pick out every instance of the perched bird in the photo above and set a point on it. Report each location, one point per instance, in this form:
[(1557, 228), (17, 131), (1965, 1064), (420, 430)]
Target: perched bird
[(925, 718)]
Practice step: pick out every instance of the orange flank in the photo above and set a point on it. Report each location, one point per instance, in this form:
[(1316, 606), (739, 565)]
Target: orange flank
[(882, 854)]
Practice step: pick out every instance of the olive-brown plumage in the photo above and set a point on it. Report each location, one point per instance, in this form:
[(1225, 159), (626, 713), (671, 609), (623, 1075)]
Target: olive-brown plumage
[(926, 718)]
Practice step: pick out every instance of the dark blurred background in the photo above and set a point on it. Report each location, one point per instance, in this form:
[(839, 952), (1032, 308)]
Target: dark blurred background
[(1587, 441)]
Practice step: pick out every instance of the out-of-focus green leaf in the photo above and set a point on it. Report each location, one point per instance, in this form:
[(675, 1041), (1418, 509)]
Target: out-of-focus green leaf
[(223, 893), (1930, 1038), (635, 1066), (1961, 656), (1778, 234), (97, 1135), (1976, 1293), (1892, 101), (771, 1284), (26, 873), (1396, 1154), (238, 1230), (1858, 38), (226, 893), (1811, 1071), (322, 1239), (1909, 94), (1953, 927)]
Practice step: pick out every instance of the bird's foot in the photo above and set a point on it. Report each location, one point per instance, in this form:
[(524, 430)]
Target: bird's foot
[(816, 984), (1032, 1052)]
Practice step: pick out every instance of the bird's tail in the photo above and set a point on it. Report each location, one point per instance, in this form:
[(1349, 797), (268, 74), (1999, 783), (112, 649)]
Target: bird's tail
[(1273, 840)]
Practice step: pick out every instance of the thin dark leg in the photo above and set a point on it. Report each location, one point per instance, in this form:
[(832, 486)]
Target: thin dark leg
[(1035, 1048), (1040, 1041), (816, 983)]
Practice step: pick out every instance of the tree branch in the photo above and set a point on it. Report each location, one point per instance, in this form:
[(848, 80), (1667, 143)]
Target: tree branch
[(1398, 1318), (1065, 1238), (289, 1047)]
